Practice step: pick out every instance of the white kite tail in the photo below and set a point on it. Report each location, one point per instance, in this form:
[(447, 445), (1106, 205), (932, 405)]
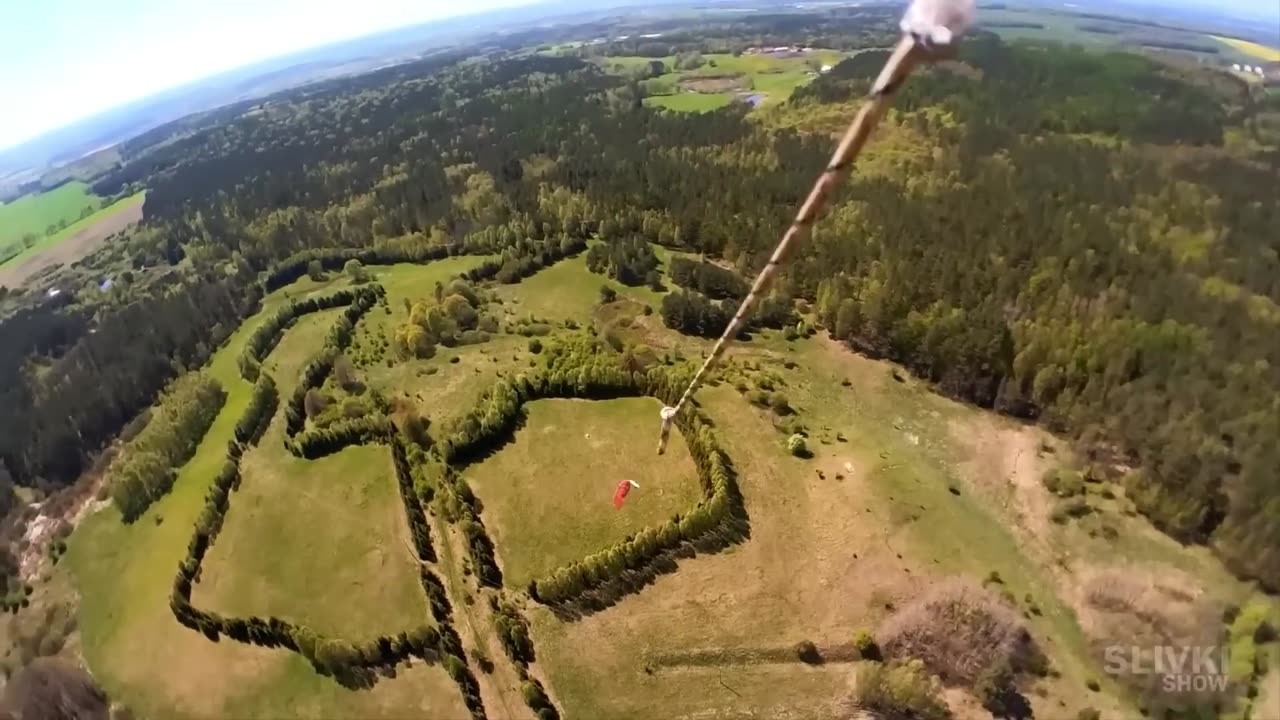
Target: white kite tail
[(929, 29)]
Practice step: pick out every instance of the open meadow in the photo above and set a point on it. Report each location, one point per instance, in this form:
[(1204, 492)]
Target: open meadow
[(903, 490), (544, 518)]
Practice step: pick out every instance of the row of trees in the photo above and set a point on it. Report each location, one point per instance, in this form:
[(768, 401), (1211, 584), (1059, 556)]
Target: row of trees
[(263, 404), (522, 260), (268, 334), (349, 662), (318, 368), (582, 367), (691, 313), (148, 463), (707, 278), (630, 261)]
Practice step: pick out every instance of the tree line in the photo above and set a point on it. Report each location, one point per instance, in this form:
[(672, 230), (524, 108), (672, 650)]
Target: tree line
[(149, 463), (349, 662), (708, 279), (582, 368)]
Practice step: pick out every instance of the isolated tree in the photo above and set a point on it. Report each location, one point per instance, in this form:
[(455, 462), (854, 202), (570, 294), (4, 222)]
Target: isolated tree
[(356, 271)]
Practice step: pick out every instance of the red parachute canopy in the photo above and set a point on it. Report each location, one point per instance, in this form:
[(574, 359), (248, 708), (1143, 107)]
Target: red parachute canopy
[(620, 495)]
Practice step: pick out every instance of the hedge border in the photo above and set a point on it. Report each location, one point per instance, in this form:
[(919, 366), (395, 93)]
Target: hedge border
[(595, 582)]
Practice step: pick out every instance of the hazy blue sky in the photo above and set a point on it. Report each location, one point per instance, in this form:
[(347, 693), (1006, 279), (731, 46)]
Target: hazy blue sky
[(62, 60)]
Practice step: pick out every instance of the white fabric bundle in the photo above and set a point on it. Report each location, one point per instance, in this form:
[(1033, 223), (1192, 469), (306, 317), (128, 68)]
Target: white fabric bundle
[(938, 22)]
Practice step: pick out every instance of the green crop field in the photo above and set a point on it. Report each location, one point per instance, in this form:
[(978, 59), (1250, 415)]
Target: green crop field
[(36, 214), (544, 519), (18, 252)]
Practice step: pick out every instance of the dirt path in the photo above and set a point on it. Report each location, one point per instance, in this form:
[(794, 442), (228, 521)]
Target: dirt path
[(499, 690)]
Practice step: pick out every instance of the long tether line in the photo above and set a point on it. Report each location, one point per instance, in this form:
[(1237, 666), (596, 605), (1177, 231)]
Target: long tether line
[(910, 51)]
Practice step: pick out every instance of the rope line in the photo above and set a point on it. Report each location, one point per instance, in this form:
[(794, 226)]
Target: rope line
[(908, 53)]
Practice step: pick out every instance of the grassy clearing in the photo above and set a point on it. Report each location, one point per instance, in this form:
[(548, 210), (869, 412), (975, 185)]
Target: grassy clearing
[(311, 540), (569, 291), (690, 102), (34, 214), (774, 77), (1262, 52), (73, 229), (145, 659), (827, 554), (548, 494)]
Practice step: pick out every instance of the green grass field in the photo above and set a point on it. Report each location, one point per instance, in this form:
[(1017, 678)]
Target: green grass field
[(690, 102), (140, 653), (48, 242), (905, 489), (335, 528), (35, 213), (550, 491)]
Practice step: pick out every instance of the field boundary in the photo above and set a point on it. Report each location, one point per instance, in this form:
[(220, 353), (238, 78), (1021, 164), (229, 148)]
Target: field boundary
[(599, 580), (351, 663)]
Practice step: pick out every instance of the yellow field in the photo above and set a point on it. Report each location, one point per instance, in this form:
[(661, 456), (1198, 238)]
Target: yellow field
[(1263, 52)]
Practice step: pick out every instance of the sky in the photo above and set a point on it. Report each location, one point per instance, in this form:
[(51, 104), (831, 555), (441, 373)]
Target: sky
[(63, 60)]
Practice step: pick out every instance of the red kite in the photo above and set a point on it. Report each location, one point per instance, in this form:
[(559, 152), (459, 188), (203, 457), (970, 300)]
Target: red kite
[(624, 489)]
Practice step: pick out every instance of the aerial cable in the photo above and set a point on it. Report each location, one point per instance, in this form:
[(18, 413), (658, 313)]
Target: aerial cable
[(930, 30)]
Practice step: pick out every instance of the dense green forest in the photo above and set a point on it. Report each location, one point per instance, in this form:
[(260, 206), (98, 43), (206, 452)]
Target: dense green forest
[(1081, 238)]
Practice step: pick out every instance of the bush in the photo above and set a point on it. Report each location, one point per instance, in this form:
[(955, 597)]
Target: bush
[(796, 445), (866, 646), (607, 294), (808, 652), (535, 346), (1093, 685), (900, 690)]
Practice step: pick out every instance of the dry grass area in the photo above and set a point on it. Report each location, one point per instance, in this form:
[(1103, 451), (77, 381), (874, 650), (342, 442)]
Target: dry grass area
[(959, 630)]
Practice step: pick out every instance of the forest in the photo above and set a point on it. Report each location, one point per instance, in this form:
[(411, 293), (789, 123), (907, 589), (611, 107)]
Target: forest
[(1073, 239)]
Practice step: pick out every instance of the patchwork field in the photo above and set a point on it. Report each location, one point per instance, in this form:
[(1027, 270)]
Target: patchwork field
[(315, 578), (140, 653), (903, 490), (73, 242), (764, 79), (37, 214)]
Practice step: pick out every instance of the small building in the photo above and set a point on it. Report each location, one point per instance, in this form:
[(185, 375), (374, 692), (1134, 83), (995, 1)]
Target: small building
[(826, 69), (1235, 66)]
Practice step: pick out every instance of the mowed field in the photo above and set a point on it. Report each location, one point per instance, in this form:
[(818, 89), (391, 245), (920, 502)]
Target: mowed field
[(72, 243), (144, 658), (550, 490), (905, 489)]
